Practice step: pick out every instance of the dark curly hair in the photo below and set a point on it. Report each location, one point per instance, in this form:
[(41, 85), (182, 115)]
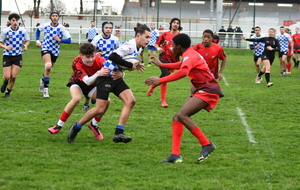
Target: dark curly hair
[(14, 15), (87, 49)]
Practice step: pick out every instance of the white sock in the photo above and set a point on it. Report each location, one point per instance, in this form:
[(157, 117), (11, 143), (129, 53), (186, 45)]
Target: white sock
[(60, 123), (94, 122)]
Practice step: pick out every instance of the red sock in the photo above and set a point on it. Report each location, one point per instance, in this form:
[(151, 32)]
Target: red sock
[(200, 136), (177, 131), (97, 119), (289, 66), (163, 91), (64, 116)]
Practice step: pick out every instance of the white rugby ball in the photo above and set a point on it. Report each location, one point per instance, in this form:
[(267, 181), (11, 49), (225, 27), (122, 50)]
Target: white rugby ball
[(130, 58)]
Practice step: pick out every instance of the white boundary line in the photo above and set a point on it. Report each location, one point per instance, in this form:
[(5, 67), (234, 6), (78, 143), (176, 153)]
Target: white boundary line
[(247, 127)]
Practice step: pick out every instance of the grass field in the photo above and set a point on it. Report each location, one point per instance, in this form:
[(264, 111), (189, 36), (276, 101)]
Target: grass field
[(255, 128)]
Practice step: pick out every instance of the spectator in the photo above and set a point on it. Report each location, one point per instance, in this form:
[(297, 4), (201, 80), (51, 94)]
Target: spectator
[(238, 37), (230, 33), (222, 34), (216, 38)]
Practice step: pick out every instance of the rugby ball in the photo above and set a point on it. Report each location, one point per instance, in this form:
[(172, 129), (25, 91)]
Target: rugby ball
[(130, 58)]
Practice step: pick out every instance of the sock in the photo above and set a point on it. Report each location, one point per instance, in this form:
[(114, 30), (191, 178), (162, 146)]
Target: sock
[(86, 103), (95, 121), (260, 74), (46, 81), (163, 91), (119, 129), (268, 77), (78, 125), (7, 91), (177, 131), (289, 66), (297, 63), (63, 118), (200, 136)]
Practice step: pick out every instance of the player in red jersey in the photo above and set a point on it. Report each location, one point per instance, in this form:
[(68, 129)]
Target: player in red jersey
[(212, 53), (206, 95), (290, 53), (164, 48), (86, 68), (296, 40)]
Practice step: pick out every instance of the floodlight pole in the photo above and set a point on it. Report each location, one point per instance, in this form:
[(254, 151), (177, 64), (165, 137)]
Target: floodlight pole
[(157, 19), (219, 15), (0, 13), (254, 12), (211, 10)]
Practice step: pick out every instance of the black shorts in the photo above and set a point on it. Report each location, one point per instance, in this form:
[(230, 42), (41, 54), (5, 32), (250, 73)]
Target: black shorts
[(12, 60), (84, 89), (105, 85), (53, 57), (280, 54), (256, 58), (265, 57)]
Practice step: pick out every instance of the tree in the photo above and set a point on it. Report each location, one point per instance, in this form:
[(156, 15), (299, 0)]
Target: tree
[(36, 8), (57, 5)]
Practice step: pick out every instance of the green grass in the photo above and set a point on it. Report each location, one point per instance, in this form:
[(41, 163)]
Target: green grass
[(32, 158)]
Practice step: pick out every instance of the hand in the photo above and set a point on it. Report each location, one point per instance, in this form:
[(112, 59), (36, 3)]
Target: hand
[(104, 71), (269, 48), (220, 76), (141, 68), (99, 54), (152, 80), (25, 47), (8, 47), (160, 50), (38, 43), (257, 47), (134, 64), (57, 38), (116, 75), (155, 61)]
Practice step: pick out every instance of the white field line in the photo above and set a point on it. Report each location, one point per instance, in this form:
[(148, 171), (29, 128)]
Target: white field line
[(225, 81), (247, 127)]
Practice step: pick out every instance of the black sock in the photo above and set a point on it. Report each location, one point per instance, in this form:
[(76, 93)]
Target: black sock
[(119, 131), (8, 91), (268, 77), (295, 62), (260, 74)]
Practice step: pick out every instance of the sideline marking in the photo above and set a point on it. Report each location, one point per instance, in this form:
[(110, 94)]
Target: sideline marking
[(225, 81), (247, 127)]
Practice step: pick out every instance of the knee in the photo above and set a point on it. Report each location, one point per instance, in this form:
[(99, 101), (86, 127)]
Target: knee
[(76, 101), (48, 67), (178, 117), (131, 102)]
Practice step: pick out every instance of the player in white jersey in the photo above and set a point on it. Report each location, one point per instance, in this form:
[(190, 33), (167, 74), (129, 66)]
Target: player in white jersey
[(106, 42), (91, 32), (105, 85), (257, 51), (284, 40), (11, 40), (151, 45), (54, 34)]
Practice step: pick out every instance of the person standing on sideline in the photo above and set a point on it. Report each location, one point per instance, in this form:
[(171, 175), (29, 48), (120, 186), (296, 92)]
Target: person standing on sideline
[(216, 38), (153, 39), (86, 68), (230, 33), (164, 48), (54, 34), (91, 32), (12, 39), (258, 48), (296, 40), (238, 36), (268, 55), (205, 97), (222, 34), (105, 85), (212, 53), (284, 40)]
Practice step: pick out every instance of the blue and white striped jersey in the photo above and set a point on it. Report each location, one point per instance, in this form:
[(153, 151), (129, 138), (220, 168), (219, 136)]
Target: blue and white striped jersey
[(259, 51), (106, 45), (284, 41)]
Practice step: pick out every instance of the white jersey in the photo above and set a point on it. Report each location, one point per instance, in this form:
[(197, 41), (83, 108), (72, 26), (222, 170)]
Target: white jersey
[(106, 45), (92, 32), (49, 43), (284, 40), (127, 48), (153, 38), (15, 39)]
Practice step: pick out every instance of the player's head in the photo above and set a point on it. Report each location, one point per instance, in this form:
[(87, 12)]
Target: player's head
[(14, 20), (207, 37), (142, 35), (257, 30), (54, 16), (181, 42), (297, 30), (92, 23), (175, 24), (272, 32), (282, 30), (152, 25), (107, 27), (87, 52), (287, 30)]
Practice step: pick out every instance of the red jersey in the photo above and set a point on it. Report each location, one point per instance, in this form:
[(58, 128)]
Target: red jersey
[(296, 40), (212, 55), (196, 68), (81, 70), (165, 42)]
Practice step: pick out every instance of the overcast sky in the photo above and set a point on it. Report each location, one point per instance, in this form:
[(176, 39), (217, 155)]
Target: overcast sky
[(24, 5)]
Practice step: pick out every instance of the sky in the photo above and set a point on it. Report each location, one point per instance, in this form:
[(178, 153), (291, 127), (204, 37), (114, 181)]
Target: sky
[(25, 5)]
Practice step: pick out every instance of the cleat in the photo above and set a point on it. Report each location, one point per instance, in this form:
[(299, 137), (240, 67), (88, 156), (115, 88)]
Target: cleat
[(269, 84), (288, 72), (7, 96), (121, 138), (96, 131), (150, 91), (173, 159), (41, 88), (45, 93), (93, 101), (85, 108), (73, 132), (4, 85), (55, 129), (206, 150), (258, 80), (164, 104)]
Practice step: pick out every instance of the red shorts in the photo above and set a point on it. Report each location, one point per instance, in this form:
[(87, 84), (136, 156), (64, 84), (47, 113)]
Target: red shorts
[(289, 53), (211, 99)]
